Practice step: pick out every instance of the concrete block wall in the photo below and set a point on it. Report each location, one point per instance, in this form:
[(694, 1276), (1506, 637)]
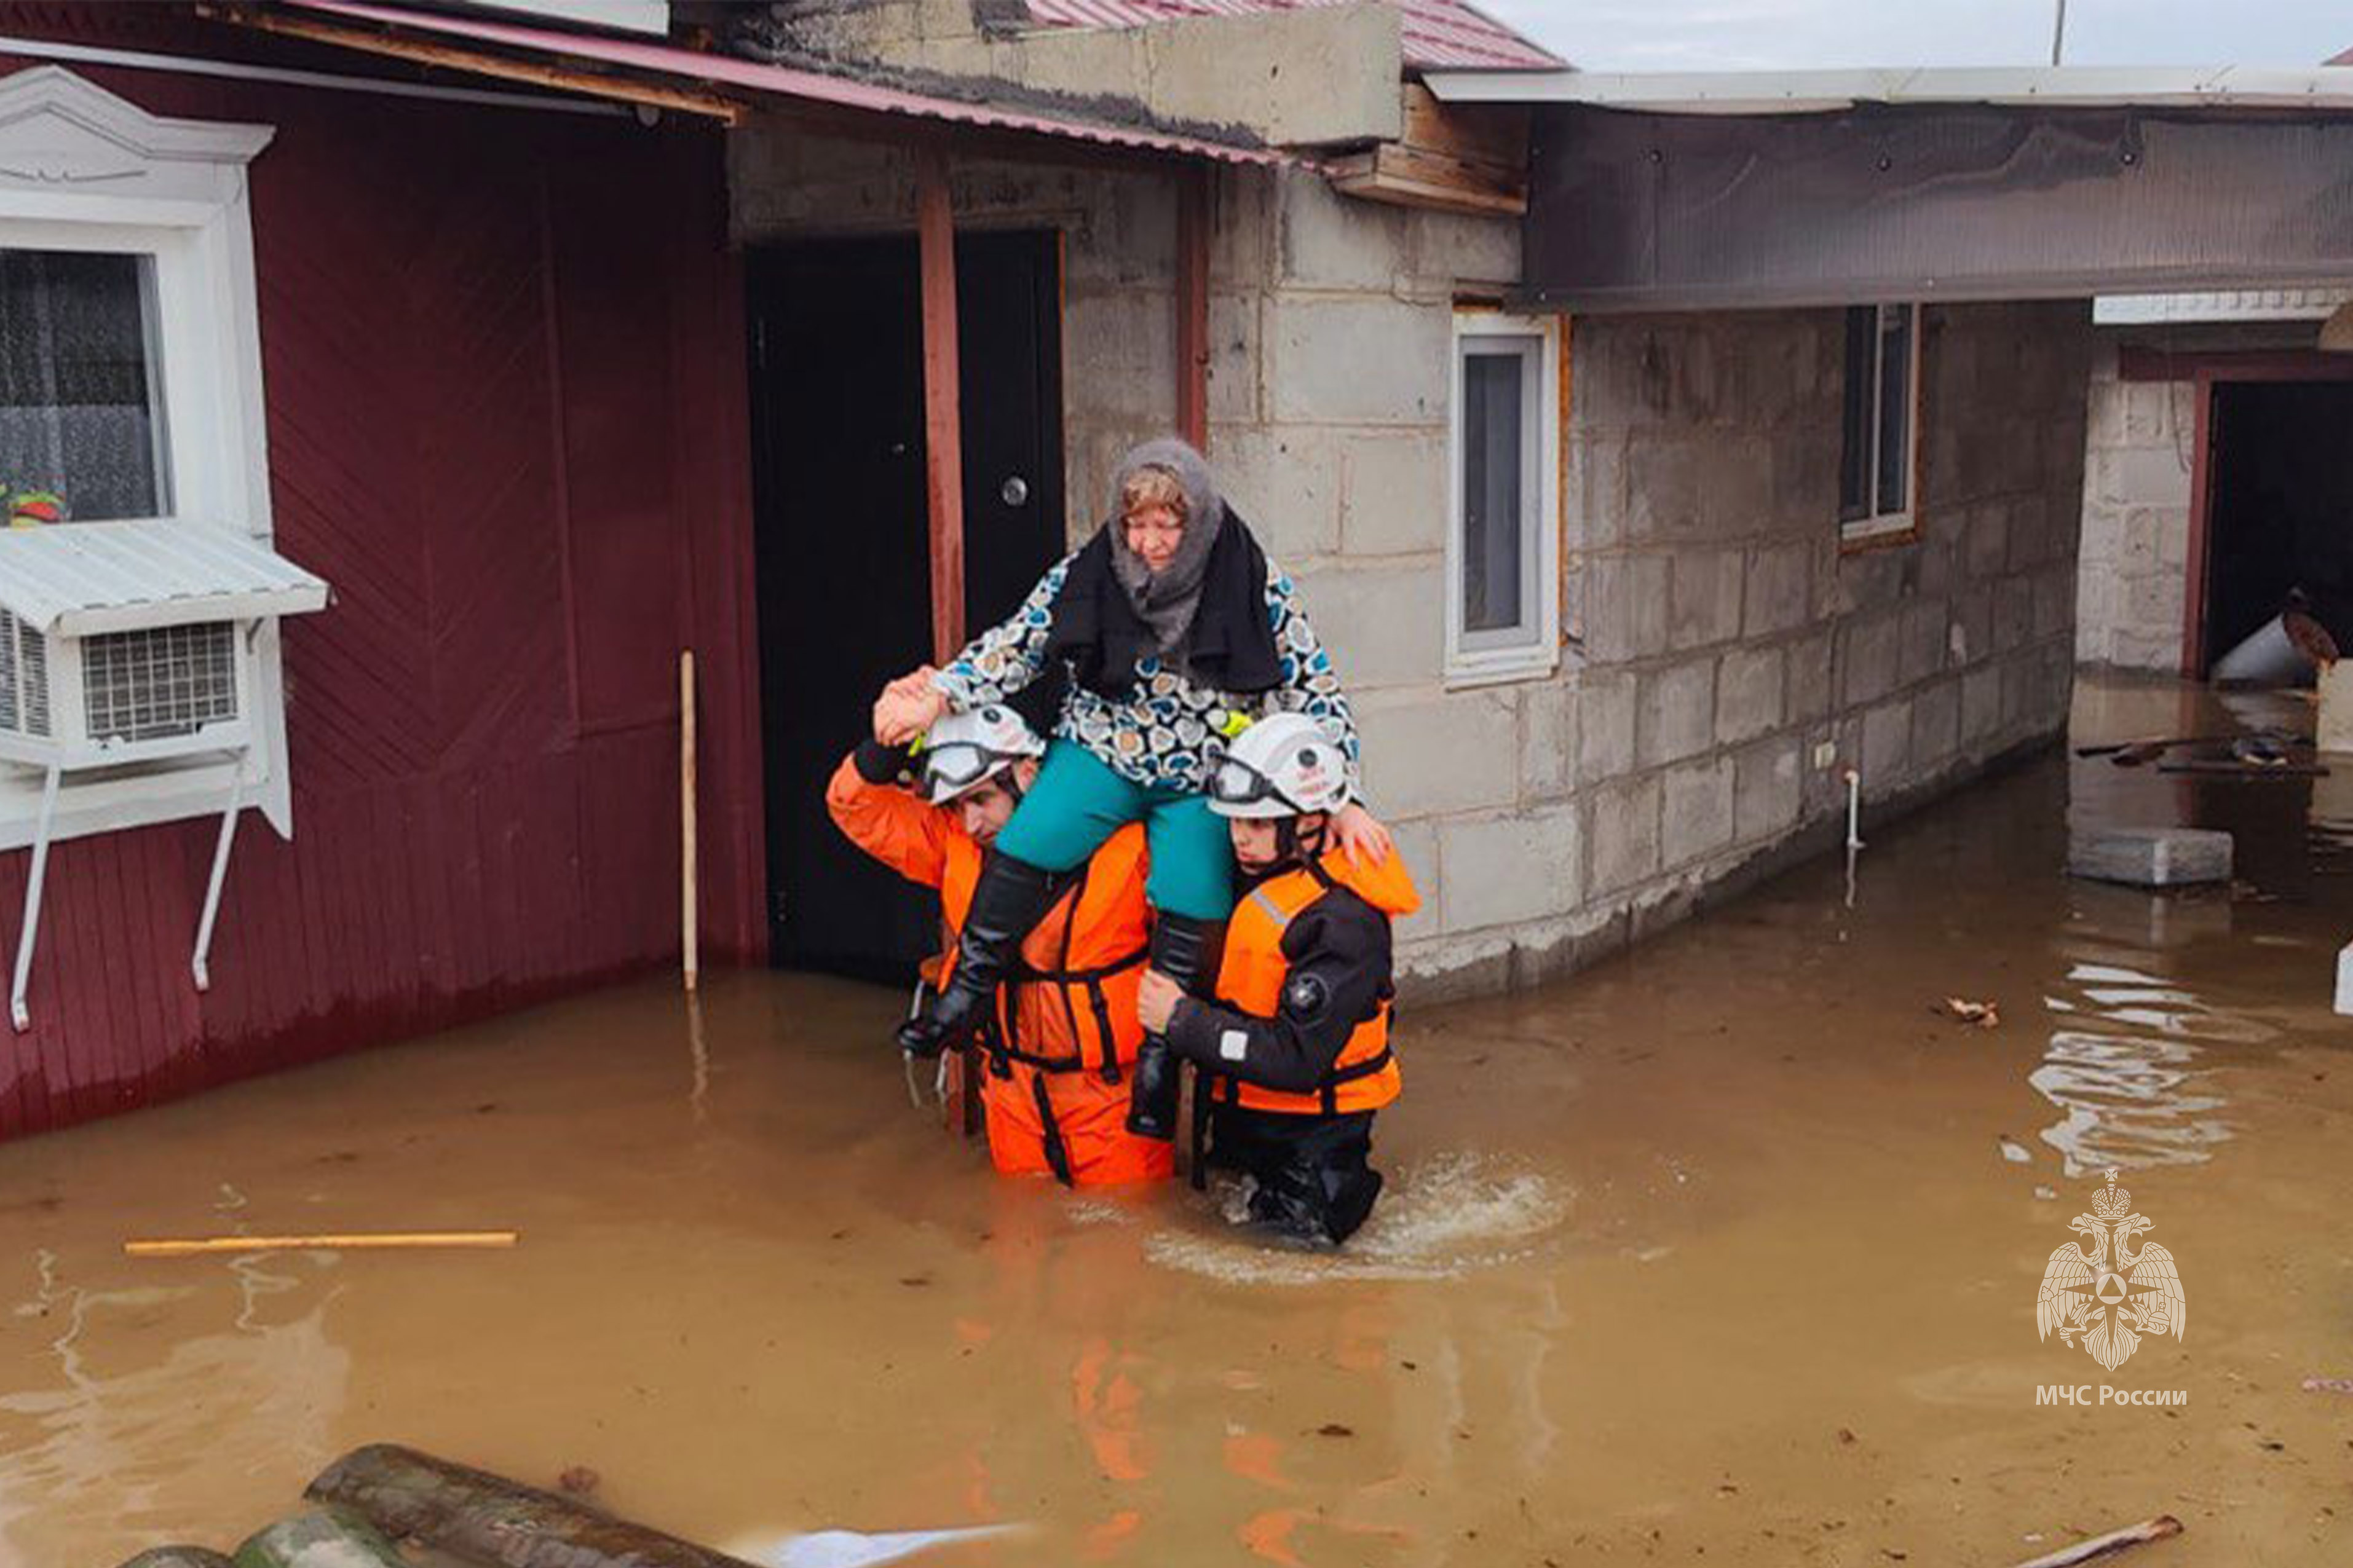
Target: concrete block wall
[(2139, 453), (1729, 660)]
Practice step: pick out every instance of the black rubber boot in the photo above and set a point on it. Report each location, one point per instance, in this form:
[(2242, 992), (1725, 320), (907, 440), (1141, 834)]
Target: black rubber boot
[(1010, 899), (1187, 951)]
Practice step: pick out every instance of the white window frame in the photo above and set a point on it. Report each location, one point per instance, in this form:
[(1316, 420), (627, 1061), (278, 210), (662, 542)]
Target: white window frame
[(81, 169), (1533, 649), (1878, 527)]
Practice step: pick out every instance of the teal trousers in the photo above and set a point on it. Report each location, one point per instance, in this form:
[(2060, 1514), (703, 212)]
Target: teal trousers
[(1079, 801)]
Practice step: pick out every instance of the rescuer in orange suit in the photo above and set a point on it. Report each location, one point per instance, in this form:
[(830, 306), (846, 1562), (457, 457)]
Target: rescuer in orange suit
[(1059, 1049), (1292, 1058)]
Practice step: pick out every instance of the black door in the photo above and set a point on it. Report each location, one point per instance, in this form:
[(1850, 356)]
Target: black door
[(842, 536), (2282, 472)]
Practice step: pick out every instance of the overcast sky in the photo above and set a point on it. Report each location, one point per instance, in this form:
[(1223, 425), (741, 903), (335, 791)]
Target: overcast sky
[(1743, 34)]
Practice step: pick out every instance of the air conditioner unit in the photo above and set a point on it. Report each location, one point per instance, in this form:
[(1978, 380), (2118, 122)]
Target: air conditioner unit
[(118, 697), (125, 643)]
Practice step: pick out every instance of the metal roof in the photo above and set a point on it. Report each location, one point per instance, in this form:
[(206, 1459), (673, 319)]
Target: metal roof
[(1829, 91), (78, 578), (727, 71), (1438, 33)]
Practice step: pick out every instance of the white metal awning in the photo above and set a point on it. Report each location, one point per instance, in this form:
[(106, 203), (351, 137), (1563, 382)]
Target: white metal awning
[(80, 578), (2319, 90)]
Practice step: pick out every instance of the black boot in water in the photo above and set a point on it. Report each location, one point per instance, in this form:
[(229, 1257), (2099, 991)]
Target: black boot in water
[(1187, 951), (1009, 900)]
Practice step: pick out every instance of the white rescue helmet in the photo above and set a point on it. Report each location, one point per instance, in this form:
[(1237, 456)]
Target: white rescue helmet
[(964, 750), (1283, 765)]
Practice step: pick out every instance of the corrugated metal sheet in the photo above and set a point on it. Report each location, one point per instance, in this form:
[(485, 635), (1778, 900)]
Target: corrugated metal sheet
[(1632, 211), (1438, 33), (85, 577), (726, 70)]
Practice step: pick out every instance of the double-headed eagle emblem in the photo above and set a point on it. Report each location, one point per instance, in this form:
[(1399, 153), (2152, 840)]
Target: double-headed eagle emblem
[(2109, 1295)]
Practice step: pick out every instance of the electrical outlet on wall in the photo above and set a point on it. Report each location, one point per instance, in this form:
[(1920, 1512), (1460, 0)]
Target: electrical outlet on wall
[(1825, 755)]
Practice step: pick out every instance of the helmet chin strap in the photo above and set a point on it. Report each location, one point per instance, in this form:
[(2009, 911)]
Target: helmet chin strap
[(1290, 844)]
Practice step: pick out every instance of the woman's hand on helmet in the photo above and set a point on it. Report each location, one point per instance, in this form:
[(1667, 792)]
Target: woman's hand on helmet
[(908, 706), (1360, 833)]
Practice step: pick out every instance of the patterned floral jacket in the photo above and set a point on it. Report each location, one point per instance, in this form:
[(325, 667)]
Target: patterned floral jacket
[(1166, 732)]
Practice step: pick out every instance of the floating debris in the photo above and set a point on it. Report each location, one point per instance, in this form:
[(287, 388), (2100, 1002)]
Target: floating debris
[(1984, 1015)]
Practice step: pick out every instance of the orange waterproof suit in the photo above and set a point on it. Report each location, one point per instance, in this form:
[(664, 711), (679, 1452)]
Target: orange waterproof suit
[(1055, 1086)]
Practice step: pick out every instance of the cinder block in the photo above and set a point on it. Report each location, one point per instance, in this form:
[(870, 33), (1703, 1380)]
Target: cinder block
[(1286, 483), (1595, 491), (1766, 792), (1924, 632), (1393, 493), (1548, 740), (1417, 845), (1696, 811), (1936, 725), (1365, 359), (1625, 835), (1676, 717), (1330, 240), (1705, 597), (1626, 606), (1749, 694), (1779, 590), (1810, 680), (2013, 612), (1871, 658), (1985, 539), (1605, 721), (1887, 744), (1663, 489), (1380, 624), (1502, 869), (1425, 754), (2150, 857)]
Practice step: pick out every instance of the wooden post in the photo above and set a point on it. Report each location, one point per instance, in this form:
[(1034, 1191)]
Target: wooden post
[(1192, 306), (943, 420), (688, 937), (943, 460)]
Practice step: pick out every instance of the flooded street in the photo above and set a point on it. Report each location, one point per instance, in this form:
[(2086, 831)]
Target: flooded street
[(1731, 1245)]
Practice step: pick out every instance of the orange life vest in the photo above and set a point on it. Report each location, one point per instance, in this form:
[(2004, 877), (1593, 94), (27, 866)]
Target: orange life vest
[(1251, 980), (1070, 1004)]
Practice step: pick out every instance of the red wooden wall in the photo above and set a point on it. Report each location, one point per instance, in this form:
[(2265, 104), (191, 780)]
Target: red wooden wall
[(505, 383)]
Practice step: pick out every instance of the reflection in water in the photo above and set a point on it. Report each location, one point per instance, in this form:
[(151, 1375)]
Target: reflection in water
[(2126, 1071), (108, 1440)]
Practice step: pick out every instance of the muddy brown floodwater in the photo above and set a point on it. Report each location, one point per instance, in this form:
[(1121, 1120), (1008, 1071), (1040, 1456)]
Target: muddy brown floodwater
[(1730, 1244)]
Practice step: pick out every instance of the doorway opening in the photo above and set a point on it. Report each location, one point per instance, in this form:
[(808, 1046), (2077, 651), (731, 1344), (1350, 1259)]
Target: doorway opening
[(2279, 510), (842, 537)]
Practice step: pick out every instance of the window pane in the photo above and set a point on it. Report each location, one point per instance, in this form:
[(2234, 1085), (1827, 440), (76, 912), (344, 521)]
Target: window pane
[(1493, 465), (1895, 410), (1855, 453), (79, 406)]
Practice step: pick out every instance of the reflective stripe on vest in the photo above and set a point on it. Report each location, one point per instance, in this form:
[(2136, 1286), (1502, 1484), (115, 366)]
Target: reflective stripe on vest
[(1365, 1076)]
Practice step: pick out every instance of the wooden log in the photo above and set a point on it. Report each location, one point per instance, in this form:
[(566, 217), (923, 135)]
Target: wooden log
[(178, 1557), (2163, 1527), (323, 1538), (472, 1514), (383, 1240)]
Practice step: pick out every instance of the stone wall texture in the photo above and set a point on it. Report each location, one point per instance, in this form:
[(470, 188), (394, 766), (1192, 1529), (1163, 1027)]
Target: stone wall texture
[(1725, 661), (2140, 449)]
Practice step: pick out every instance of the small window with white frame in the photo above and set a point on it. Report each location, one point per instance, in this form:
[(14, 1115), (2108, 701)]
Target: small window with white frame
[(133, 472), (1503, 553), (1879, 468)]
